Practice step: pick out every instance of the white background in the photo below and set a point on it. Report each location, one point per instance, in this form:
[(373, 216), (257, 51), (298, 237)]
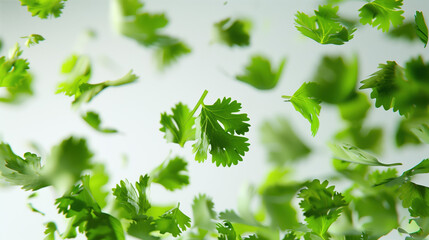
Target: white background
[(135, 109)]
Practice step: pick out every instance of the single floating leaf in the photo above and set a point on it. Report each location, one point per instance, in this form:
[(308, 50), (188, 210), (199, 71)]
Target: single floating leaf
[(44, 8), (382, 14), (171, 174), (233, 32), (178, 127), (93, 119), (33, 39), (173, 221), (307, 105), (349, 153), (325, 26), (260, 74), (422, 29), (407, 31), (203, 213)]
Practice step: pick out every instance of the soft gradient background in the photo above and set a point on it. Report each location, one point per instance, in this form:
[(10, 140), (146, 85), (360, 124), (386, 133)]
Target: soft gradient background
[(134, 110)]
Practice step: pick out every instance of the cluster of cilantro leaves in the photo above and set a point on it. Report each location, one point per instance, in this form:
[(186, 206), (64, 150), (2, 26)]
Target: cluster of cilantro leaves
[(366, 209)]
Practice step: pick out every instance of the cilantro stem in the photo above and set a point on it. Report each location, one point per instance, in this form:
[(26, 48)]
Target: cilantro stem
[(200, 101)]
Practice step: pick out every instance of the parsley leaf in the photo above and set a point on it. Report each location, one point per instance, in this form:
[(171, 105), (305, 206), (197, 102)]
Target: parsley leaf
[(14, 75), (422, 29), (172, 174), (93, 119), (324, 27), (349, 153), (178, 127), (226, 231), (321, 205), (382, 13), (203, 213), (281, 142), (260, 75), (25, 171), (44, 8), (173, 221), (81, 207), (217, 126), (78, 71), (233, 32), (51, 229), (169, 50), (307, 105), (133, 199), (97, 183), (33, 39)]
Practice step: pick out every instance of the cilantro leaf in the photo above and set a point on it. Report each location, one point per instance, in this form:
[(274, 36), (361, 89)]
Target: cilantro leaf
[(44, 8), (422, 29), (133, 199), (25, 171), (406, 31), (203, 213), (325, 26), (321, 205), (142, 227), (78, 71), (33, 39), (51, 229), (281, 142), (169, 50), (217, 126), (307, 105), (259, 73), (335, 79), (226, 231), (172, 174), (81, 207), (361, 137), (97, 184), (382, 13), (93, 119), (178, 127), (233, 32), (67, 161), (14, 75), (349, 153), (415, 198), (173, 221)]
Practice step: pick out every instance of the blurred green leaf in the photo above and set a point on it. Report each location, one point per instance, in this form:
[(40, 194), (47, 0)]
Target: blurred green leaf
[(33, 39), (233, 32), (422, 29), (93, 120), (203, 213), (171, 174), (349, 153)]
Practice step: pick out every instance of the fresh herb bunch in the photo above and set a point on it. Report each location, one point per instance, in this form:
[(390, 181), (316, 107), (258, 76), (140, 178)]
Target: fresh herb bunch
[(373, 198)]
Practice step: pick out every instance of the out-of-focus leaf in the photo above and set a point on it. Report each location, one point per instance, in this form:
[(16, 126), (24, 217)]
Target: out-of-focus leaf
[(233, 32), (93, 120), (422, 29), (171, 174)]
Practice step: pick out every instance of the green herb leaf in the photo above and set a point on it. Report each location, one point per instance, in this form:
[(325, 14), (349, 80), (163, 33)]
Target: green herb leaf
[(78, 71), (51, 229), (44, 8), (349, 153), (233, 32), (324, 27), (422, 29), (226, 231), (169, 51), (173, 221), (171, 174), (382, 14), (178, 127), (93, 119), (226, 147), (203, 213), (259, 74), (33, 39), (307, 105)]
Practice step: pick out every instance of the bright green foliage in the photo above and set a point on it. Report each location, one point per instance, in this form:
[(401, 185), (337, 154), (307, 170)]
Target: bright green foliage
[(142, 228), (349, 153), (282, 143), (421, 168), (290, 236), (86, 214), (403, 89), (407, 31), (203, 213), (325, 26), (78, 71), (132, 21), (14, 75), (133, 199), (259, 74), (51, 229), (233, 32), (33, 39), (422, 29), (173, 221), (382, 14), (44, 8), (67, 161), (97, 183), (422, 132), (355, 109), (25, 172), (321, 205), (363, 138), (335, 80), (178, 127), (307, 105), (226, 147), (226, 231), (171, 174), (93, 119)]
